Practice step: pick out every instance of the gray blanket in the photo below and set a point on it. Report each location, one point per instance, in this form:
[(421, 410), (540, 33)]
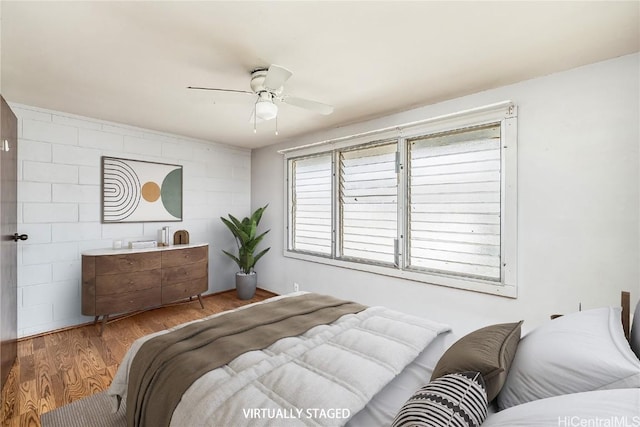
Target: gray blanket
[(166, 366)]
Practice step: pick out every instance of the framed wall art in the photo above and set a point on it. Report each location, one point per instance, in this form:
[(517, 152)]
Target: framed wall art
[(139, 191)]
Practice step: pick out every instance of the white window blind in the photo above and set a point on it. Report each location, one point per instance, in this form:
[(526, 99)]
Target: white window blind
[(369, 203), (310, 204), (454, 203)]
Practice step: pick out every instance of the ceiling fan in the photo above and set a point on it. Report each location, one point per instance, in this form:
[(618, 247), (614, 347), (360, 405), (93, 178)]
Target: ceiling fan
[(267, 85)]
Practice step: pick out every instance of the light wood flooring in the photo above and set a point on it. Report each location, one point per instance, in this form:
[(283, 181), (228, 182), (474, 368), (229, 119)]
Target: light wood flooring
[(58, 368)]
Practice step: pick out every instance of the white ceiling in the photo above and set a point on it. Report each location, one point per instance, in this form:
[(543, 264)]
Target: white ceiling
[(130, 62)]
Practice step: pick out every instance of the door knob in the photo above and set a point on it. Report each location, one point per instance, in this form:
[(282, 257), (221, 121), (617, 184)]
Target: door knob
[(17, 237)]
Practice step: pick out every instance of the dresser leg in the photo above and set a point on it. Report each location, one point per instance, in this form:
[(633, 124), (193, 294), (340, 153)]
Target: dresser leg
[(96, 320), (200, 299), (104, 321)]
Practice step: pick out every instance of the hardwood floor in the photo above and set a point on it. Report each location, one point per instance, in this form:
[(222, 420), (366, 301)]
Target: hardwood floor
[(59, 368)]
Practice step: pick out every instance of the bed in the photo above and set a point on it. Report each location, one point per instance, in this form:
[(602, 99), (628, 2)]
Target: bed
[(371, 366)]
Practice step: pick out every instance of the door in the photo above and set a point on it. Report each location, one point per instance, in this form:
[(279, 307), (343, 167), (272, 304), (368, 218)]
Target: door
[(8, 251)]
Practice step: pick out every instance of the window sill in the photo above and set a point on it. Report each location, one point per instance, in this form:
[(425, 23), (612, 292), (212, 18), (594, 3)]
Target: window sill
[(475, 285)]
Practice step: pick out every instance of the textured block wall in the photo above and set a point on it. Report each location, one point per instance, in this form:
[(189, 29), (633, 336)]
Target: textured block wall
[(59, 204)]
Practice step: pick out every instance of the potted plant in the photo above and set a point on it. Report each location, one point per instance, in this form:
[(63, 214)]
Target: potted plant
[(247, 239)]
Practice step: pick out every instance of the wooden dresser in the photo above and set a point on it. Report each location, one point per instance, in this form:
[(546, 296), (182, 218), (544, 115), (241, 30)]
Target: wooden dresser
[(125, 280)]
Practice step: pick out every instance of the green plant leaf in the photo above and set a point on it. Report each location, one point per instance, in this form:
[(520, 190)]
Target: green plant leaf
[(235, 220), (257, 257), (256, 241), (257, 215), (253, 228), (233, 257), (247, 239), (229, 225)]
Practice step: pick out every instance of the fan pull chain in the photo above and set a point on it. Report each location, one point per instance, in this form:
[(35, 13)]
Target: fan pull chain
[(254, 118), (276, 125)]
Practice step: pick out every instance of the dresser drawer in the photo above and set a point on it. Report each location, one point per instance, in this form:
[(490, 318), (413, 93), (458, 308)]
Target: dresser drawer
[(183, 290), (127, 282), (174, 257), (113, 264), (128, 301), (183, 273)]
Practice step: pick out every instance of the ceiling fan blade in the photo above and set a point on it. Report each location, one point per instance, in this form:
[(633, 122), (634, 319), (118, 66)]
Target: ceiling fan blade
[(308, 104), (220, 90), (276, 76)]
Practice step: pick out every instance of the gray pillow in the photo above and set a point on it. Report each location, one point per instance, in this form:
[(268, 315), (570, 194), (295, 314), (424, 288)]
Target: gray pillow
[(454, 400), (488, 350)]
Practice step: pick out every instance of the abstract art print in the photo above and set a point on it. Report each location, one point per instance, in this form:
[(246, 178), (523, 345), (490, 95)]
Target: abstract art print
[(139, 191)]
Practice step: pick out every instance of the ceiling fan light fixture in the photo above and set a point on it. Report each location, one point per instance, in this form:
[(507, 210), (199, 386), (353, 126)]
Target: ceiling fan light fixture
[(266, 109), (268, 85)]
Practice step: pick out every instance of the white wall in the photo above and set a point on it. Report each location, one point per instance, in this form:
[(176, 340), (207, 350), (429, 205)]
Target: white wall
[(578, 204), (59, 203)]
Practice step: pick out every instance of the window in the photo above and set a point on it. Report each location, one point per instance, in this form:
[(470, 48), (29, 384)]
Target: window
[(454, 202), (368, 203), (434, 201), (311, 204)]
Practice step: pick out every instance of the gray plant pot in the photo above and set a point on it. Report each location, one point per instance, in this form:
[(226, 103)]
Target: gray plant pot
[(246, 285)]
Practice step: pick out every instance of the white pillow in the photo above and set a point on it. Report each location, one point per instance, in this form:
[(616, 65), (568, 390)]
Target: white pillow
[(579, 352), (592, 408)]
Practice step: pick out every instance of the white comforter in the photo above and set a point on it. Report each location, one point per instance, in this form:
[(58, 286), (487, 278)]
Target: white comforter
[(320, 378)]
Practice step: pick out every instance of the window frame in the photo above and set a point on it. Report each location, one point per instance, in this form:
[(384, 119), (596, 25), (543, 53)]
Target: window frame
[(408, 262), (289, 232), (504, 113), (338, 231)]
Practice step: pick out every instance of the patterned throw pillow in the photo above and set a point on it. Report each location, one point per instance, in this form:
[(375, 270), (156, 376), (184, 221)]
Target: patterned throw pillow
[(454, 400)]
